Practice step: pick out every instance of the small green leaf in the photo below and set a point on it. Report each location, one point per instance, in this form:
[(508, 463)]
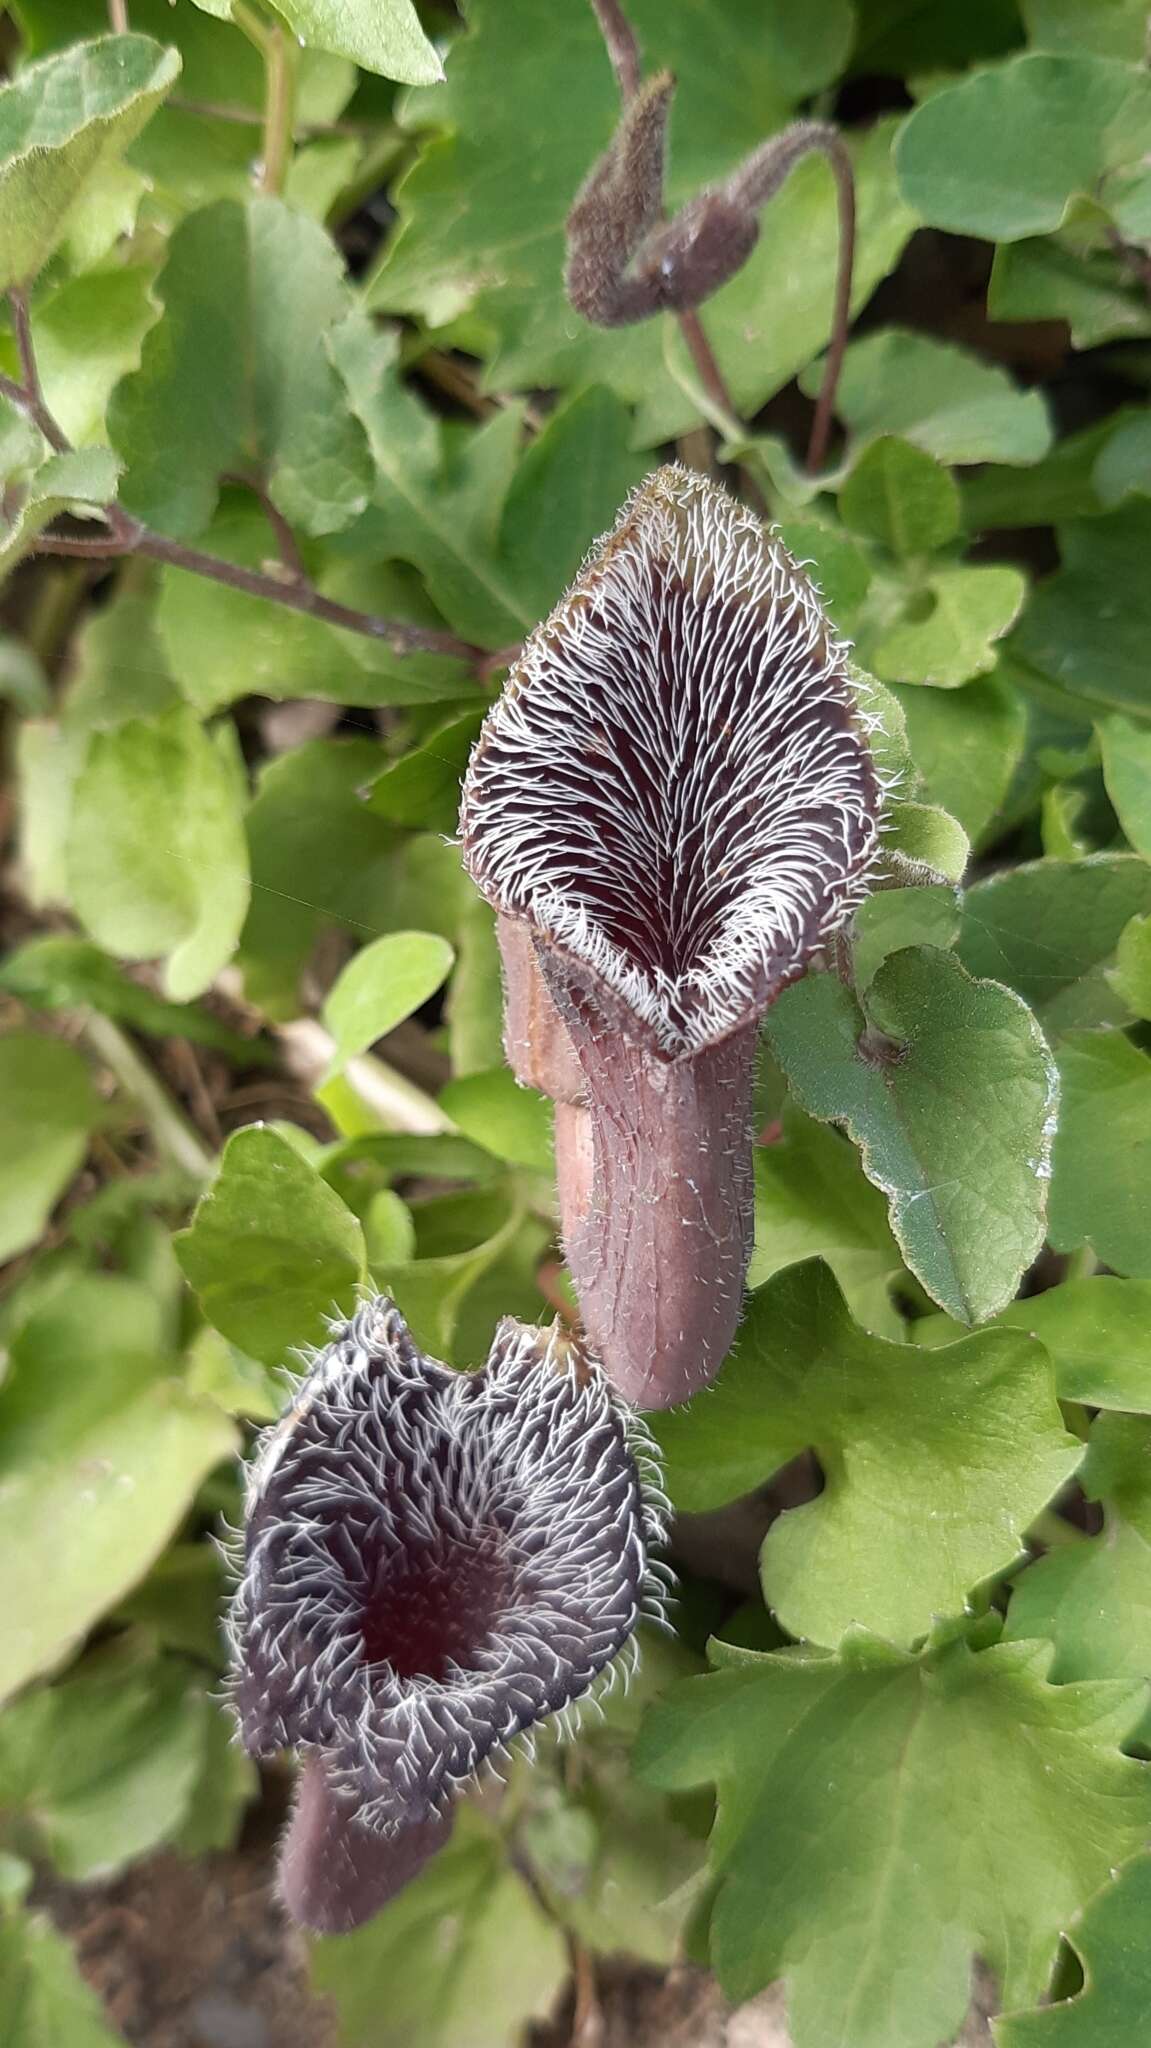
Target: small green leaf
[(1050, 928), (465, 1953), (950, 403), (890, 919), (923, 845), (49, 2002), (951, 627), (97, 1469), (1087, 626), (422, 788), (1097, 1332), (912, 1081), (966, 746), (902, 497), (1114, 2006), (157, 861), (61, 122), (237, 376), (61, 973), (381, 985), (1102, 1158), (812, 1199), (874, 1806), (964, 1447), (494, 1111), (1127, 772), (1124, 462), (382, 35), (271, 1251), (48, 1107), (99, 1770), (1043, 279), (977, 157), (1092, 1597), (1131, 975)]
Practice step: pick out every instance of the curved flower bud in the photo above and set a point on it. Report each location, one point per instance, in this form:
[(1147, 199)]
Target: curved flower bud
[(434, 1561), (674, 798)]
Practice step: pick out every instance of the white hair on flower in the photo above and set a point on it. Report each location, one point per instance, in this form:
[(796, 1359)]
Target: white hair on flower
[(437, 1560), (674, 788)]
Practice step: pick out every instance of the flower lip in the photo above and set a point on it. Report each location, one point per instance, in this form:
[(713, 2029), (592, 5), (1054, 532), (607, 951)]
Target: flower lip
[(673, 789), (434, 1561)]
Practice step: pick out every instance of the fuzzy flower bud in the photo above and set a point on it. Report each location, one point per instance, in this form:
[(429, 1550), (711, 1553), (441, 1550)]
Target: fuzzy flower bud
[(673, 807), (434, 1561)]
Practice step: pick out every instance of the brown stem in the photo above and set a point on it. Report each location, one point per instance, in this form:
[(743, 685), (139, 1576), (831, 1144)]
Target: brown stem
[(286, 541), (126, 536), (840, 163), (703, 356), (31, 393), (118, 17), (621, 45)]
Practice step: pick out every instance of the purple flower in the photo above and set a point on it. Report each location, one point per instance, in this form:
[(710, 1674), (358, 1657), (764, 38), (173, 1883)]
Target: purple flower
[(434, 1561), (673, 807)]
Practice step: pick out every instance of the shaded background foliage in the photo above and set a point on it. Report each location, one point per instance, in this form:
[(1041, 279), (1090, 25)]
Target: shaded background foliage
[(297, 307)]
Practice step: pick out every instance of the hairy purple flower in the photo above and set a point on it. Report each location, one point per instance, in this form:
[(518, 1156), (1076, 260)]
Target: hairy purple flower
[(434, 1561), (673, 807)]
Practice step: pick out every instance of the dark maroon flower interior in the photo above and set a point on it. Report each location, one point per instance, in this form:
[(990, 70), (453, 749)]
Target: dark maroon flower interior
[(427, 1607)]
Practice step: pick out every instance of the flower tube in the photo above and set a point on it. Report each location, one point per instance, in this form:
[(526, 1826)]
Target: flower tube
[(673, 807)]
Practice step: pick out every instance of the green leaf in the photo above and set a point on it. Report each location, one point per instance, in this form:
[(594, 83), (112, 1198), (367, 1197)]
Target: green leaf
[(96, 1469), (382, 35), (965, 1189), (318, 854), (902, 497), (61, 973), (422, 788), (1114, 2006), (221, 644), (476, 234), (945, 400), (922, 845), (89, 332), (497, 540), (381, 985), (100, 1769), (1092, 1598), (1045, 280), (1131, 975), (1097, 1332), (118, 669), (1087, 626), (837, 565), (963, 1447), (1124, 463), (1102, 1155), (949, 632), (1049, 929), (271, 1251), (878, 1807), (966, 746), (48, 1106), (48, 2001), (890, 919), (475, 999), (812, 1199), (494, 1111), (157, 861), (61, 122), (237, 376), (465, 1953), (1127, 773), (977, 158), (1108, 28)]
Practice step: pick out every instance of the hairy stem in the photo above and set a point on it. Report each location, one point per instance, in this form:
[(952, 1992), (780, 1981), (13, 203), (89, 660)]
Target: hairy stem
[(840, 163)]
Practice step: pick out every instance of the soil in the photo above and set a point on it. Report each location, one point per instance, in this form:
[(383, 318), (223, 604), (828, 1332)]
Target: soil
[(198, 1955)]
